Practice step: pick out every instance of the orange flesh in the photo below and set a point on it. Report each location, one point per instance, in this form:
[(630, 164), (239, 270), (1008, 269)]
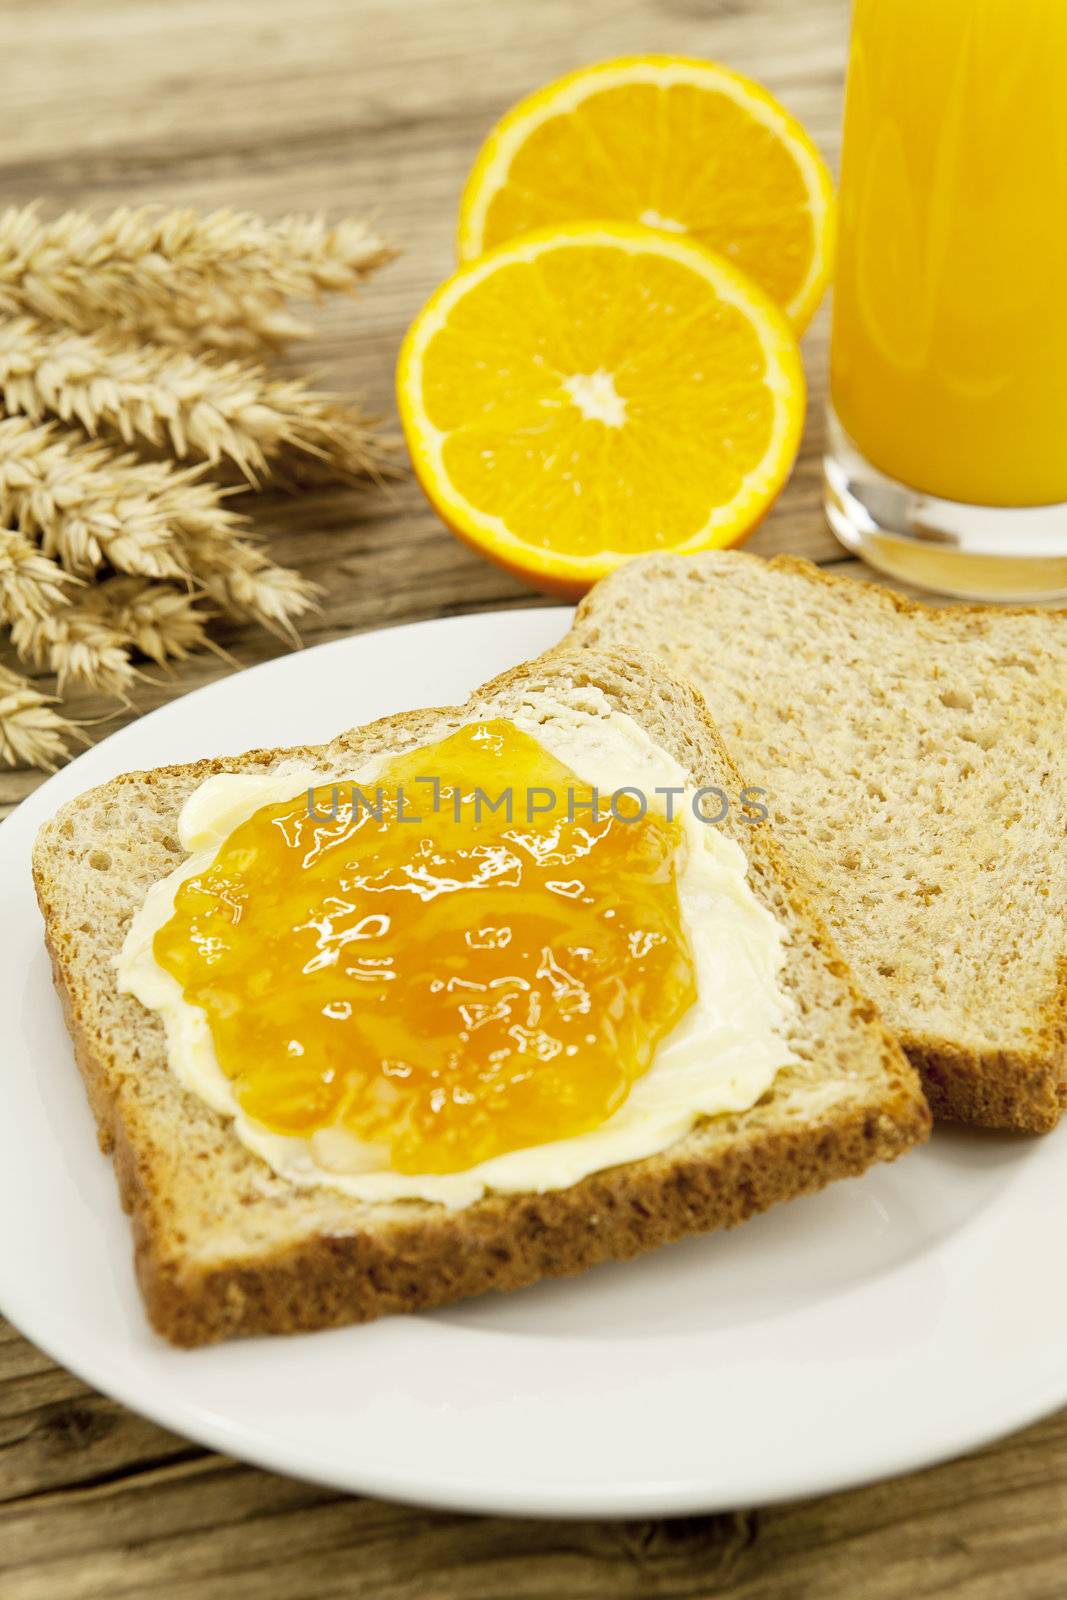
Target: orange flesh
[(685, 371), (448, 989), (680, 156)]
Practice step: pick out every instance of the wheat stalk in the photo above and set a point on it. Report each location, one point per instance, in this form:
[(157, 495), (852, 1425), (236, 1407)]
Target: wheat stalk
[(78, 644), (93, 506), (197, 405), (313, 259), (31, 584), (116, 327), (205, 326), (246, 583), (93, 639), (178, 271), (156, 619), (31, 733)]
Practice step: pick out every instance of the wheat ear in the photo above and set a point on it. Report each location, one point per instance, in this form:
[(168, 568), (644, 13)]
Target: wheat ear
[(179, 270), (78, 644), (206, 325), (157, 620), (197, 405), (31, 584), (93, 639), (93, 505), (31, 733), (244, 582)]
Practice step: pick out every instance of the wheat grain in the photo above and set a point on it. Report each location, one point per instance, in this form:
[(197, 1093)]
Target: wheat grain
[(78, 644), (93, 639), (155, 619), (32, 734), (93, 506), (178, 269), (195, 405), (204, 327), (246, 583), (313, 259), (31, 584)]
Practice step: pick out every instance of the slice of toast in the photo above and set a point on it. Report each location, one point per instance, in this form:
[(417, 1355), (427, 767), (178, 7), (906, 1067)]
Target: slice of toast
[(915, 760), (224, 1246)]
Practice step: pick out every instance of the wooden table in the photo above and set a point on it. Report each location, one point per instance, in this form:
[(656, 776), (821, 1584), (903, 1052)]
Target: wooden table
[(377, 106)]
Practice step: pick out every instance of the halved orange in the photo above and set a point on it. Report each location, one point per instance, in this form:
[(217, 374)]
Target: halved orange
[(590, 392), (670, 142)]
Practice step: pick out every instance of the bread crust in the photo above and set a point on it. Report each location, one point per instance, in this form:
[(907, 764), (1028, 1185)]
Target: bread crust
[(423, 1255), (1011, 1088)]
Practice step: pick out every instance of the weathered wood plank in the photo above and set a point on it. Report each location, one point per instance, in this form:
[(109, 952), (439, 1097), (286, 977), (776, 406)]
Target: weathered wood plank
[(210, 1528)]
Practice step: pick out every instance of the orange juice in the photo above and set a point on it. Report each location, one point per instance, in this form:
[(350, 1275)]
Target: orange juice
[(949, 351)]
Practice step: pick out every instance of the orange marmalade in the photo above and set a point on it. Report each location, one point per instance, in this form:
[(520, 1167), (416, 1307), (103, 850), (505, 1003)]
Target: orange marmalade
[(450, 968)]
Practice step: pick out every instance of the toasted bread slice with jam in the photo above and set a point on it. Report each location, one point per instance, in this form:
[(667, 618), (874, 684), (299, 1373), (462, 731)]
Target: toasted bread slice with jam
[(224, 1246)]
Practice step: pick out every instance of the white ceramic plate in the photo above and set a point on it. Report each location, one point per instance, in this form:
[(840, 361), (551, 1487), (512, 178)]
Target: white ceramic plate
[(881, 1325)]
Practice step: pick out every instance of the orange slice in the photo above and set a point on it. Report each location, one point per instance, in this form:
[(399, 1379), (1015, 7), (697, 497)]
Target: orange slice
[(673, 143), (590, 392)]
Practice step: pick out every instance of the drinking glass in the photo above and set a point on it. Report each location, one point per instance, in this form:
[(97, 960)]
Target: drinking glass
[(947, 463)]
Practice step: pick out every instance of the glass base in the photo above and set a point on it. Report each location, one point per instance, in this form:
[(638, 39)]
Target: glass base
[(972, 552)]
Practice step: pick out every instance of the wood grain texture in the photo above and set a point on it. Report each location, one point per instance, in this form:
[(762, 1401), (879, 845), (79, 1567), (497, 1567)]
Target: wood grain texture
[(376, 107)]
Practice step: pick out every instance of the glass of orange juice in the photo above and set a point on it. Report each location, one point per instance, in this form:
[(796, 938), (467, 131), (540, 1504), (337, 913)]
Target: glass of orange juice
[(948, 458)]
